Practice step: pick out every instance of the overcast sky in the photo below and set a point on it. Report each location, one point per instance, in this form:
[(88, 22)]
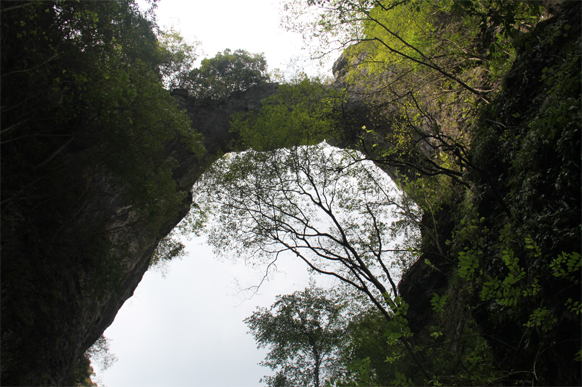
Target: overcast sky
[(187, 329), (252, 25)]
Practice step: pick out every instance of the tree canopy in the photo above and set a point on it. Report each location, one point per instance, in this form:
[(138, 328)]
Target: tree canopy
[(302, 113), (441, 98), (304, 332), (84, 117), (473, 107), (179, 57), (227, 72)]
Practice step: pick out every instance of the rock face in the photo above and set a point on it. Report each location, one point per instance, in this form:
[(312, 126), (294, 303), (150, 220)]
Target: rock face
[(75, 311), (69, 315), (211, 118), (74, 314)]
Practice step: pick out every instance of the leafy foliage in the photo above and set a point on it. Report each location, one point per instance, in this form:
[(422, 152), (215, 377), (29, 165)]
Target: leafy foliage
[(178, 58), (304, 331), (100, 355), (97, 354), (472, 116), (85, 125), (228, 72), (304, 113), (83, 373), (365, 351)]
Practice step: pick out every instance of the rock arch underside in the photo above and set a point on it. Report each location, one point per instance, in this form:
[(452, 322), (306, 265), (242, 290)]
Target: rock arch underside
[(83, 316)]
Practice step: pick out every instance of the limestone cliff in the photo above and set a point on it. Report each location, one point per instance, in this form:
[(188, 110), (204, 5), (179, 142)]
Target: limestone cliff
[(66, 305), (73, 273)]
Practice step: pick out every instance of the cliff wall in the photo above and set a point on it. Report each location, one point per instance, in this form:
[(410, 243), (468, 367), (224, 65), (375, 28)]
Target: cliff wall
[(65, 281), (64, 278)]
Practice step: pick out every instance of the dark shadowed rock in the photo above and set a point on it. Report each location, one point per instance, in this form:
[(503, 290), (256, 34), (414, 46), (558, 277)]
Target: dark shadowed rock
[(81, 298)]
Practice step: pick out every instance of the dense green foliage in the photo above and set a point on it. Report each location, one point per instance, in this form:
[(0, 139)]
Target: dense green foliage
[(226, 73), (93, 69), (474, 108), (84, 116), (304, 113), (304, 331), (83, 373)]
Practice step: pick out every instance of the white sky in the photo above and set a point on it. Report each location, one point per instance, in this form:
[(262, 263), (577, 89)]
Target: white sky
[(252, 25), (187, 329)]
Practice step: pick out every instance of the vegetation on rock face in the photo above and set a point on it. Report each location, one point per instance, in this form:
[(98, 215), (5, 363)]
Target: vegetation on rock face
[(85, 121), (472, 107), (302, 113), (99, 354)]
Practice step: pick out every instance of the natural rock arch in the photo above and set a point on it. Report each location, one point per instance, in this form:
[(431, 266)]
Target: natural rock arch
[(84, 315)]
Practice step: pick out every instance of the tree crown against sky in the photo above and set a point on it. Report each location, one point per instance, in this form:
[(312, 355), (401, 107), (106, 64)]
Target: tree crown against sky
[(304, 332), (335, 211), (227, 72), (430, 78), (215, 78), (329, 207)]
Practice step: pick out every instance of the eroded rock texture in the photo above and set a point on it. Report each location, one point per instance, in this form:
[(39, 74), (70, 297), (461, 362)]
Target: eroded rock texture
[(71, 287), (67, 295)]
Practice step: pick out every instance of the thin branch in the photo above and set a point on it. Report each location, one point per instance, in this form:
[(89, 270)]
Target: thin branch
[(32, 68)]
